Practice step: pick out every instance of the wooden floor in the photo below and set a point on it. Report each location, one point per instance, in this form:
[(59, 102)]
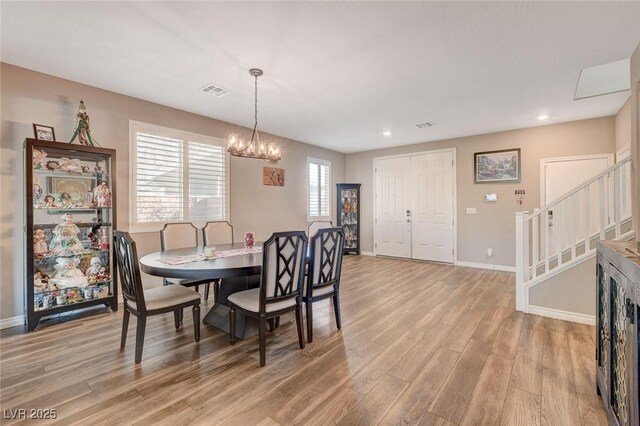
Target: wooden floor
[(421, 344)]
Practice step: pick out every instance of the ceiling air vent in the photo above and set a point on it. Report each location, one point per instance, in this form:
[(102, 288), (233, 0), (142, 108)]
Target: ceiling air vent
[(214, 90), (425, 125)]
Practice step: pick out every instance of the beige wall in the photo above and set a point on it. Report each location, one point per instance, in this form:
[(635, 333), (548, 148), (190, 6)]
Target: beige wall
[(570, 291), (494, 224), (623, 127), (29, 97)]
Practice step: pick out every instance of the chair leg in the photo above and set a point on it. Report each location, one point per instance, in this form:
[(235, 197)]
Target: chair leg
[(262, 323), (216, 290), (309, 306), (232, 325), (176, 318), (142, 325), (277, 324), (336, 309), (206, 291), (196, 322), (125, 327), (300, 326), (272, 324)]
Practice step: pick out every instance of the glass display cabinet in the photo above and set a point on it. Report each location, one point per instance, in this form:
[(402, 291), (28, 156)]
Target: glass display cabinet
[(69, 217), (349, 215), (617, 331)]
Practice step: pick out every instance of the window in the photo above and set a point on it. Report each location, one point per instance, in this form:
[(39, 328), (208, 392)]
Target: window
[(319, 189), (176, 177)]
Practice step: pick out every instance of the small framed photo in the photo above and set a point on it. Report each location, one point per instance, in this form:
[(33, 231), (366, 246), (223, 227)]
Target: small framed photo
[(43, 133), (497, 166)]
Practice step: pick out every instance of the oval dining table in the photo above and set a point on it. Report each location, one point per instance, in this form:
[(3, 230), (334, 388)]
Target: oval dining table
[(237, 273)]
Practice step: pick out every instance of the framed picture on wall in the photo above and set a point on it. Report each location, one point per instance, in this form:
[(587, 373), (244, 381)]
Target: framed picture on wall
[(43, 133), (273, 176), (497, 166)]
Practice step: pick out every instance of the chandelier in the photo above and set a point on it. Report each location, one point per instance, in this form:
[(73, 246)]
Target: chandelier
[(254, 148)]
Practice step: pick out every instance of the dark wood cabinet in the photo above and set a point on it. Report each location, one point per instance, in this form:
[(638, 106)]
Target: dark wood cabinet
[(617, 308), (348, 215), (70, 215)]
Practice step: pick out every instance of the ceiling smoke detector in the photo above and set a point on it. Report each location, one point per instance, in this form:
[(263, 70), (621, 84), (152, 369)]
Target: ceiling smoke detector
[(426, 124), (214, 90)]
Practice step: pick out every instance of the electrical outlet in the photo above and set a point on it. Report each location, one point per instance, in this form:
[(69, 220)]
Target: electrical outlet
[(489, 252)]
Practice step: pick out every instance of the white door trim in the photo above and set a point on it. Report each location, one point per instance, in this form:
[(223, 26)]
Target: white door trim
[(455, 195), (545, 161)]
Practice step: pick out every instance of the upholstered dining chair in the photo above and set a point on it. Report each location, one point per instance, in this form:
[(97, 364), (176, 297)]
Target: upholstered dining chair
[(325, 267), (216, 232), (280, 291), (144, 303), (182, 235), (316, 225)]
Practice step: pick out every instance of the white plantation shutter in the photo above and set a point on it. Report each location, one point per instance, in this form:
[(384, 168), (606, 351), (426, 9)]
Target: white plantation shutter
[(319, 178), (176, 177), (159, 179), (207, 182)]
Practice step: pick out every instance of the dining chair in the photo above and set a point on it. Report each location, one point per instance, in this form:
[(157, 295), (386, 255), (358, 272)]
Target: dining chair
[(144, 303), (177, 236), (283, 259), (216, 232), (325, 267), (316, 225)]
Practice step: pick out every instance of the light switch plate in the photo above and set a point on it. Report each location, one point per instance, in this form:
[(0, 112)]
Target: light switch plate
[(471, 210)]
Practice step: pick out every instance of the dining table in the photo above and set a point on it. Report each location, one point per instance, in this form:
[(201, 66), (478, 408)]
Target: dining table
[(237, 273)]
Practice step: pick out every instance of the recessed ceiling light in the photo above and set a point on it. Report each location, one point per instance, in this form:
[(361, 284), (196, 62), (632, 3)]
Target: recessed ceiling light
[(543, 117), (387, 133)]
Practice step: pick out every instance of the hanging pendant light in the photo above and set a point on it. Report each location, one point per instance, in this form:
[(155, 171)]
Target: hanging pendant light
[(254, 148)]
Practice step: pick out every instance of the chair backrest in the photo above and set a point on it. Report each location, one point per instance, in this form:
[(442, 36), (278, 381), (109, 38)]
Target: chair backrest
[(283, 261), (217, 232), (325, 253), (126, 255), (316, 225), (178, 235)]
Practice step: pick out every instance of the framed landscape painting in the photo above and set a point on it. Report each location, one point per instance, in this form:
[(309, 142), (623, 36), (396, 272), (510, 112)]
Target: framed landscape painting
[(497, 166)]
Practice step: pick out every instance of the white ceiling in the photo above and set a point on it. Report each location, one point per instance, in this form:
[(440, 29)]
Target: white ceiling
[(337, 74)]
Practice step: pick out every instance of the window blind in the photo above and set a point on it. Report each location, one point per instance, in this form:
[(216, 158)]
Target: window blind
[(319, 189), (177, 177), (159, 179)]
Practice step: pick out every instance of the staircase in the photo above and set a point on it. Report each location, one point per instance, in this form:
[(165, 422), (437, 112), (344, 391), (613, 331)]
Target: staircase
[(563, 234)]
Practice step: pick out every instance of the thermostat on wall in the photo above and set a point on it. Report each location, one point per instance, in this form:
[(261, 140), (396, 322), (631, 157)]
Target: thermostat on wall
[(490, 198)]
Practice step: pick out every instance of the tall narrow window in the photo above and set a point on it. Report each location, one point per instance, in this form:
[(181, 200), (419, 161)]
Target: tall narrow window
[(319, 189), (176, 176)]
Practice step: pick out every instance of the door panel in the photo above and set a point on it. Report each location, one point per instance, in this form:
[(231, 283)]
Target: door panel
[(393, 231), (432, 196)]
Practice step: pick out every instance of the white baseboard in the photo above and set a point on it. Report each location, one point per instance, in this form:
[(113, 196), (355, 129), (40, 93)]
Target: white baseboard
[(490, 266), (11, 322), (367, 253), (562, 315)]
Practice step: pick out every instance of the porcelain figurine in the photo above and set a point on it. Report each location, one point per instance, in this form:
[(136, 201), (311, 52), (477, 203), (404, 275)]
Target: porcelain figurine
[(102, 195), (65, 237), (96, 272), (49, 201), (53, 165), (37, 192), (70, 165), (67, 274), (83, 132), (39, 159), (40, 242)]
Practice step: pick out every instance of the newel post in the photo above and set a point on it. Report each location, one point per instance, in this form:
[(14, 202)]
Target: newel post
[(522, 259)]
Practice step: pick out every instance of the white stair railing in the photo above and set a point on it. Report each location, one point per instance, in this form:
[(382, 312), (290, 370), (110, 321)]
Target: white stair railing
[(563, 232)]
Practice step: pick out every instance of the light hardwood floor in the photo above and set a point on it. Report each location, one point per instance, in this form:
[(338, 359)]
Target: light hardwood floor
[(421, 343)]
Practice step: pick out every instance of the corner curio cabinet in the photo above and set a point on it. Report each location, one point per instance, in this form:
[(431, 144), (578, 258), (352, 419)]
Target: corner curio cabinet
[(69, 218), (348, 215)]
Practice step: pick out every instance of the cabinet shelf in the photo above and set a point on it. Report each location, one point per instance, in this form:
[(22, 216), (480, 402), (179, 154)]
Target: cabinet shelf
[(44, 230)]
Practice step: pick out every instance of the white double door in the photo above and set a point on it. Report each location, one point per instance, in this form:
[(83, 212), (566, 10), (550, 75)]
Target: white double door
[(414, 206)]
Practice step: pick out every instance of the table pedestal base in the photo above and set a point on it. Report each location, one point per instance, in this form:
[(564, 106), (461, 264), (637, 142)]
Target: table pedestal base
[(218, 315)]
